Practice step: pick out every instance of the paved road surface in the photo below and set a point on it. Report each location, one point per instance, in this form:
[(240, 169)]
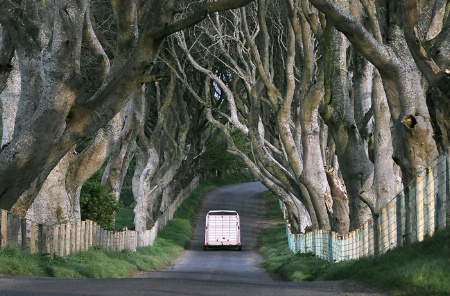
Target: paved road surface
[(197, 272)]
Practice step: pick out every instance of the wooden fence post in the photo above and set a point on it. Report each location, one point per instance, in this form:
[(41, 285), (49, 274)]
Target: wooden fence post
[(371, 237), (420, 219), (366, 239), (56, 239), (62, 245), (94, 237), (409, 213), (23, 233), (431, 208), (104, 237), (59, 240), (441, 191), (382, 230), (83, 236), (376, 236), (400, 209), (4, 229), (392, 215), (68, 240), (33, 237), (77, 237), (331, 238), (110, 240), (41, 238), (48, 239), (88, 234)]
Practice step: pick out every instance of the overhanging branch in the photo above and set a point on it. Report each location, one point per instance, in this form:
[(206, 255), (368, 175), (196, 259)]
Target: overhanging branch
[(200, 13)]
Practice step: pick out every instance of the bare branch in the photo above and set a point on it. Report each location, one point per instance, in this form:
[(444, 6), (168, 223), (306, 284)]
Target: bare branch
[(200, 13), (95, 45), (372, 50)]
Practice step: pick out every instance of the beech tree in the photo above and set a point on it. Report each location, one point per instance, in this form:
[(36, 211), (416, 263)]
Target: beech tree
[(170, 141), (353, 98), (384, 45), (245, 87), (57, 201), (161, 150), (53, 114)]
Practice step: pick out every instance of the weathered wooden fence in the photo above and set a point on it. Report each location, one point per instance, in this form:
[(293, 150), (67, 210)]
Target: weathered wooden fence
[(65, 239), (410, 216)]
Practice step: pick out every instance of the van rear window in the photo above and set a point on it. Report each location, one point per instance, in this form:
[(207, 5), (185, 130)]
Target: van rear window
[(222, 213)]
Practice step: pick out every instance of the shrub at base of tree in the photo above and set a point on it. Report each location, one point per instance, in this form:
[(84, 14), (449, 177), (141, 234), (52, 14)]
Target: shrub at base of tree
[(98, 204)]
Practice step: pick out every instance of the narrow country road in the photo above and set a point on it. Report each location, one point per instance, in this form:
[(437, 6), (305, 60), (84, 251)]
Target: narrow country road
[(197, 272)]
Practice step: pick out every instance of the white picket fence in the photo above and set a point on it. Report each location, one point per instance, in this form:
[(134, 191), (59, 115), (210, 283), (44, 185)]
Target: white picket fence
[(410, 216)]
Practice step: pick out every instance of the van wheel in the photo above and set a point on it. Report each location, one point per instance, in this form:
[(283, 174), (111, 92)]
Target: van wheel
[(204, 248), (240, 248)]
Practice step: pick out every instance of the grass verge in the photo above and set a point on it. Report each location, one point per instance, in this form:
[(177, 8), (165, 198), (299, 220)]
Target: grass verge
[(278, 259), (419, 269), (98, 263)]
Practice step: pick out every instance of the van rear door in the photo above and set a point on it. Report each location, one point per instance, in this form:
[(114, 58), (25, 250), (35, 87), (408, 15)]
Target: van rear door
[(222, 229)]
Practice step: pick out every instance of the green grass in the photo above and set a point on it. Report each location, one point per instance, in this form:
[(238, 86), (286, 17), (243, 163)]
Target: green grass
[(278, 259), (420, 269), (98, 263)]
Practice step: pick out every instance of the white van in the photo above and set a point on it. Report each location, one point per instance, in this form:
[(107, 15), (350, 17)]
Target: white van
[(222, 229)]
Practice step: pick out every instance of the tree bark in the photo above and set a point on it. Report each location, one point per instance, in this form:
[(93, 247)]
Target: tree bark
[(62, 117), (123, 152), (337, 113), (431, 53), (58, 200), (162, 151), (6, 56), (413, 144), (9, 100)]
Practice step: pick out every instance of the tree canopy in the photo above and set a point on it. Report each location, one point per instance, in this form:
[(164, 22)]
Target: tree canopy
[(333, 106)]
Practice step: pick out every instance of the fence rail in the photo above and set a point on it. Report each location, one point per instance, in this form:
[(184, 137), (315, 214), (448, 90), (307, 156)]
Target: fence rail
[(65, 239), (410, 216)]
